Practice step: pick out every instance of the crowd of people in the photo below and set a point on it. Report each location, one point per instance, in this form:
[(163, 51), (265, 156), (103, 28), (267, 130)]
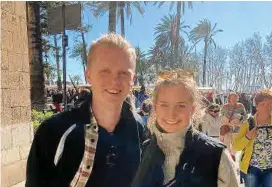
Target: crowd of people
[(121, 137), (74, 96)]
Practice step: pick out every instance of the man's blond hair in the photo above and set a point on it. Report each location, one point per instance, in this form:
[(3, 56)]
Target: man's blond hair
[(111, 40)]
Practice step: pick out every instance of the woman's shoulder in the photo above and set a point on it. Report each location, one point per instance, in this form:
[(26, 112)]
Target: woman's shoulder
[(206, 141), (240, 105)]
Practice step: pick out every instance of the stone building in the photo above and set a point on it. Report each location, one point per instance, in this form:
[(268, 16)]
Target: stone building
[(16, 129)]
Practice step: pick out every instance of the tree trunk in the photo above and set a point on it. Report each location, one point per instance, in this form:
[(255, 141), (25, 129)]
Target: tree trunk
[(85, 58), (205, 61), (261, 63), (122, 6), (57, 63), (176, 44), (35, 56), (112, 16)]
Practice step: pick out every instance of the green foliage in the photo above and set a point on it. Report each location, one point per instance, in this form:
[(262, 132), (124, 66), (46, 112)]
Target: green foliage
[(50, 71), (38, 117)]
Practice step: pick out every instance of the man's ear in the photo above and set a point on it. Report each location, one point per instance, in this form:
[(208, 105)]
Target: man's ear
[(88, 77), (133, 79)]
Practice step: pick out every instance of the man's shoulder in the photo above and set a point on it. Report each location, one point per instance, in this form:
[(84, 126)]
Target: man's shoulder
[(58, 123)]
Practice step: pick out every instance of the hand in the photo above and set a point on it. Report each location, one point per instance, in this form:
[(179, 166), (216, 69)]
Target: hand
[(251, 133)]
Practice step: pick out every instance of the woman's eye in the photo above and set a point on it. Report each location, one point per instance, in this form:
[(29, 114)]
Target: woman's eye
[(180, 106), (164, 105)]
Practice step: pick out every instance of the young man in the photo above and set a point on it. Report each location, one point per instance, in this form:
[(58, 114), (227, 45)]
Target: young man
[(97, 144)]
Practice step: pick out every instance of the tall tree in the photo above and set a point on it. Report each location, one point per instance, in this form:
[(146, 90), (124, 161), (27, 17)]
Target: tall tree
[(117, 10), (126, 6), (45, 5), (268, 54), (142, 66), (180, 5), (49, 71), (165, 36), (78, 52), (99, 8), (204, 32), (77, 79), (35, 55), (57, 55)]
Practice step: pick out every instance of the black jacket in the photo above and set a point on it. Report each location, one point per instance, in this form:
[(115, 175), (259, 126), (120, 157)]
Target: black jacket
[(198, 165), (41, 170)]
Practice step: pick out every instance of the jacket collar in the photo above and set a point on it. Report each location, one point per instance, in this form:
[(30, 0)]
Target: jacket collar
[(85, 110)]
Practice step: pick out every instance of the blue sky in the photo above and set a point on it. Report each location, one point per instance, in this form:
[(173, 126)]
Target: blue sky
[(239, 20)]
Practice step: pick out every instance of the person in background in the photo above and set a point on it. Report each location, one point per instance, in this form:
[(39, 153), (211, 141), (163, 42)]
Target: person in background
[(245, 101), (233, 114), (254, 139), (142, 96), (178, 155), (211, 121)]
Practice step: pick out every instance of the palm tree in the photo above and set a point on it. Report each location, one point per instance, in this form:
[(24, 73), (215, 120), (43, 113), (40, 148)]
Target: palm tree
[(126, 6), (57, 55), (78, 52), (157, 57), (112, 16), (49, 71), (204, 31), (45, 5), (116, 9), (165, 36), (99, 8), (141, 65), (35, 55), (180, 5), (77, 79)]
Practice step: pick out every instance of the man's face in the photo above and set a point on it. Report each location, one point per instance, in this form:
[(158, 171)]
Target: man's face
[(111, 74)]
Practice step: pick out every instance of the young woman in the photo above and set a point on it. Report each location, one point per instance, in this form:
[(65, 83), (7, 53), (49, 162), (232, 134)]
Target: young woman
[(255, 141), (178, 155)]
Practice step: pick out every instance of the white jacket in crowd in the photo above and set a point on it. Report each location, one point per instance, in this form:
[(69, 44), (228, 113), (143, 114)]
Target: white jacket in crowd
[(211, 125)]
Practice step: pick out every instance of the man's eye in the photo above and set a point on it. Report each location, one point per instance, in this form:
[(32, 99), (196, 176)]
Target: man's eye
[(105, 71), (123, 73)]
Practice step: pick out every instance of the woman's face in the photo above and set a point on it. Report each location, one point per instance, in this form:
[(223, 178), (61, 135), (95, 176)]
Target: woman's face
[(233, 99), (173, 108), (265, 107), (214, 112)]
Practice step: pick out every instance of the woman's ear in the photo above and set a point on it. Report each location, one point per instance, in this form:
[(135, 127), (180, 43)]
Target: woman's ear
[(153, 105)]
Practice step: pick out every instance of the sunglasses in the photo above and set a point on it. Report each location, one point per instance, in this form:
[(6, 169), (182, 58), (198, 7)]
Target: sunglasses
[(112, 156), (214, 111)]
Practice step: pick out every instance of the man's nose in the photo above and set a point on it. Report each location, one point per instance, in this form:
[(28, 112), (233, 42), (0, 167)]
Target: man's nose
[(116, 80)]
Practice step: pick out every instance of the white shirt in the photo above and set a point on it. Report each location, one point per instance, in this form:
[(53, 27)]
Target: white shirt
[(211, 125)]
